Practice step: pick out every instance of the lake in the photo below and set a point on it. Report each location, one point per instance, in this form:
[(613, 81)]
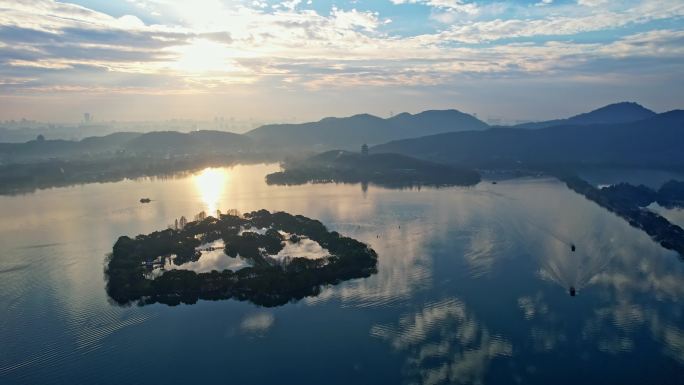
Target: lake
[(472, 287)]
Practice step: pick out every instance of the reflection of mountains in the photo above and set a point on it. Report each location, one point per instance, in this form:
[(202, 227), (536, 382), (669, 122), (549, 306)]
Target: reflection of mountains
[(445, 344)]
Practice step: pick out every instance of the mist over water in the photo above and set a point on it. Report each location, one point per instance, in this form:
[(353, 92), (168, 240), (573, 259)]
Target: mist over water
[(472, 287)]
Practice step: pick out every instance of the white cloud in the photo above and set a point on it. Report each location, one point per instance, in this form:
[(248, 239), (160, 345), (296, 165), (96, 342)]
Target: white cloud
[(591, 3), (214, 46), (451, 5), (555, 25)]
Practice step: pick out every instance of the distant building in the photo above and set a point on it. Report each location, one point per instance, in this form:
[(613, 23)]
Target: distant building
[(87, 118), (364, 150)]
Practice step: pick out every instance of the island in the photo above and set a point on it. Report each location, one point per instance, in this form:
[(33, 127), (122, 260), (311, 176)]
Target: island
[(628, 202), (385, 169), (254, 237)]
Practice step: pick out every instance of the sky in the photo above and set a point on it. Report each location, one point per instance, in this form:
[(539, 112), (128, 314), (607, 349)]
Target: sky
[(304, 60)]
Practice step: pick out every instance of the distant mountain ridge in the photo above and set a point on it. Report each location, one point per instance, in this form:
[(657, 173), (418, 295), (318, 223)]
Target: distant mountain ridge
[(622, 112), (192, 142), (158, 142), (351, 132), (653, 142)]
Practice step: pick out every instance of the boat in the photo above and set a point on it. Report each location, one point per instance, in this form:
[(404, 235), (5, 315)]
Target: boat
[(145, 200)]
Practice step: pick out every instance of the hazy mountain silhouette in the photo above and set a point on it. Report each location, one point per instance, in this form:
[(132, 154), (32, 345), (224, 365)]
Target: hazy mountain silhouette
[(655, 142), (193, 142), (613, 113), (352, 132), (446, 136), (59, 148), (167, 142)]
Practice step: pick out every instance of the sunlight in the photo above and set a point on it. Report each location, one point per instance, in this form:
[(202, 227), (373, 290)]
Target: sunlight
[(210, 185), (203, 56)]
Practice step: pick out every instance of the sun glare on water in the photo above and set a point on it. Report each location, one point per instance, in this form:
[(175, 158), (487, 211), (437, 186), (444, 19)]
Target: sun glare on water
[(210, 184)]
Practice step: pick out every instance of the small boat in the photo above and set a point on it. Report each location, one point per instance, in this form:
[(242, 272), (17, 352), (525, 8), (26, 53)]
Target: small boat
[(493, 182), (572, 291), (145, 200), (572, 247)]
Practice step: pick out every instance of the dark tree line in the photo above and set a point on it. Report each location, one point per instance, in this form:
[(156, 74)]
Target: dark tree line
[(627, 201), (389, 170)]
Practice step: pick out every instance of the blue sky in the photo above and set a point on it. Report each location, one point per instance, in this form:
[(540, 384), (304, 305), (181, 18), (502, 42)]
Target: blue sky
[(302, 60)]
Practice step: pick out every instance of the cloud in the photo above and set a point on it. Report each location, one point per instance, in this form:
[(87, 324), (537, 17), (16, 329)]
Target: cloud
[(52, 45), (451, 5), (555, 25), (591, 3)]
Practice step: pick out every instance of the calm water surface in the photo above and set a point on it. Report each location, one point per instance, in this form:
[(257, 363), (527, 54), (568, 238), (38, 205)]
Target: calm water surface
[(472, 287)]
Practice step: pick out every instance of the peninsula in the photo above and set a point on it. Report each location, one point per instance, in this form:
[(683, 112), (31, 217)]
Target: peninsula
[(628, 202)]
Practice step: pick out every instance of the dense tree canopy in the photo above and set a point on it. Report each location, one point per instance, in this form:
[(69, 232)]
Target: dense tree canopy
[(265, 283)]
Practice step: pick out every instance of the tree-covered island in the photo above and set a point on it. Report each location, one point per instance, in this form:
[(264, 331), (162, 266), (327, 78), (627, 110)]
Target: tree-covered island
[(388, 170), (267, 282)]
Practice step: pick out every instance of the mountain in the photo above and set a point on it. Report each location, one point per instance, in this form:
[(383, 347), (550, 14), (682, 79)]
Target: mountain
[(653, 142), (613, 113), (158, 142), (391, 170), (59, 148), (194, 142), (352, 132)]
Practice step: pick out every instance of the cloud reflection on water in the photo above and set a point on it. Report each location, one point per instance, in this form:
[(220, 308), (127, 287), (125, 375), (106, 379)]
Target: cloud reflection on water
[(445, 343), (631, 304)]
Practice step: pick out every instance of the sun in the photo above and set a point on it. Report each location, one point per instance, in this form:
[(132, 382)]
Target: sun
[(203, 56)]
